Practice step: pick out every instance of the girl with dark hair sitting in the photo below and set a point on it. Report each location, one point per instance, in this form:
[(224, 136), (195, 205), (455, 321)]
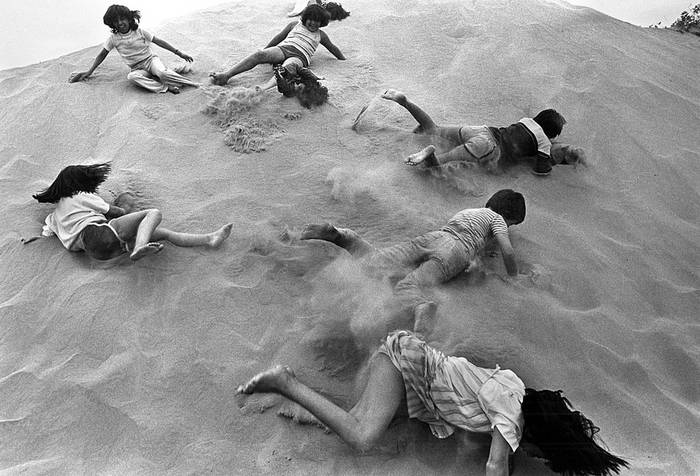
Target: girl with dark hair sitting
[(133, 44), (295, 44), (83, 221), (450, 393), (494, 147)]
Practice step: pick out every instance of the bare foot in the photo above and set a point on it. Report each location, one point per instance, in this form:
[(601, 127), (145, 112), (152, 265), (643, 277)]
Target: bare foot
[(273, 380), (394, 95), (173, 89), (323, 231), (424, 318), (220, 79), (425, 157), (220, 235), (148, 249)]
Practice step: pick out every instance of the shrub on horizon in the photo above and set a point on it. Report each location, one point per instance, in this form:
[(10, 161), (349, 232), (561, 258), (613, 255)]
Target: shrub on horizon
[(689, 21)]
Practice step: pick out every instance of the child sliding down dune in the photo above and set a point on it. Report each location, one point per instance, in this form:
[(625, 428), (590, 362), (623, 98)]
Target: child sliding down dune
[(437, 256), (493, 147), (452, 394), (83, 221), (133, 44)]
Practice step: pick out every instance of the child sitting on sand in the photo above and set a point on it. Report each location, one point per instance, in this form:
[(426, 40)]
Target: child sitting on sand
[(450, 393), (437, 256), (494, 147), (296, 43), (133, 44), (83, 221)]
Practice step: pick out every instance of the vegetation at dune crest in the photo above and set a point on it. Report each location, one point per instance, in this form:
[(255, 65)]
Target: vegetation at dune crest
[(689, 21)]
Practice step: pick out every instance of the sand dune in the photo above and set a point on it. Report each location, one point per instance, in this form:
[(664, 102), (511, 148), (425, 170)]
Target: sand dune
[(131, 368)]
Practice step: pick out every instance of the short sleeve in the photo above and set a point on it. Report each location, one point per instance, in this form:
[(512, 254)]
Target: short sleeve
[(109, 43), (148, 36), (501, 399), (498, 225), (94, 202)]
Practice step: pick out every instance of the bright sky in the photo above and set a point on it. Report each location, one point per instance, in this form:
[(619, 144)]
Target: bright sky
[(38, 30)]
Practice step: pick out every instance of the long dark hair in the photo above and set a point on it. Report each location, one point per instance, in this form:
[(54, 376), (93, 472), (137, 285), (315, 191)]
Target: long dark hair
[(115, 12), (74, 179), (565, 436), (336, 10)]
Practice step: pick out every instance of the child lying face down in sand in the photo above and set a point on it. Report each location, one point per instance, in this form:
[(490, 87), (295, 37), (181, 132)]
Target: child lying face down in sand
[(437, 256), (450, 393), (83, 221), (133, 44), (494, 147), (296, 43)]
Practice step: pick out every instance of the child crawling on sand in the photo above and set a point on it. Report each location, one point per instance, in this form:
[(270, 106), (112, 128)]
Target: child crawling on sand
[(494, 147), (133, 44), (83, 221), (452, 394), (437, 256), (294, 45)]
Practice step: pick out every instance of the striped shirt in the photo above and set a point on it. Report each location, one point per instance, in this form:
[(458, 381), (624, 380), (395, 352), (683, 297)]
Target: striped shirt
[(474, 226), (450, 392), (303, 40)]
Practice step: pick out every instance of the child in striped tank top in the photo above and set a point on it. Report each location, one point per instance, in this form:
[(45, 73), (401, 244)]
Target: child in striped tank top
[(293, 47)]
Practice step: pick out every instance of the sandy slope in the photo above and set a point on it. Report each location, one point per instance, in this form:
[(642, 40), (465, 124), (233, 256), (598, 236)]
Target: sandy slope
[(131, 368)]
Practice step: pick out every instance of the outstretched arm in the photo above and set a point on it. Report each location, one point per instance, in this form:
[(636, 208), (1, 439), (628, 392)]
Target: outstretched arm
[(507, 253), (167, 46), (85, 74), (497, 464), (325, 41), (277, 39)]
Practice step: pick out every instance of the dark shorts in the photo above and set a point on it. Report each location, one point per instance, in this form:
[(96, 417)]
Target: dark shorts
[(290, 52), (101, 242)]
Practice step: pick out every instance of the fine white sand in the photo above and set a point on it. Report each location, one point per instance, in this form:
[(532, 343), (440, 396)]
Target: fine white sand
[(131, 367)]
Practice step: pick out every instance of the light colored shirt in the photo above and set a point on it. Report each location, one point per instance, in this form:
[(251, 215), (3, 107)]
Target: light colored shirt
[(72, 215), (477, 399), (450, 392), (134, 47), (303, 39), (474, 226)]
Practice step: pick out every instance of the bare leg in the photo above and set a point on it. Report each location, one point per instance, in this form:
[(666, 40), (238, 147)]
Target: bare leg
[(429, 158), (211, 240), (411, 292), (427, 125), (364, 424), (343, 237), (270, 55), (269, 84), (139, 226)]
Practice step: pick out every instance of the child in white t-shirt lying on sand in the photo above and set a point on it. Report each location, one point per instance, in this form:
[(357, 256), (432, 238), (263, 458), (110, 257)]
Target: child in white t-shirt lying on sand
[(83, 221)]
